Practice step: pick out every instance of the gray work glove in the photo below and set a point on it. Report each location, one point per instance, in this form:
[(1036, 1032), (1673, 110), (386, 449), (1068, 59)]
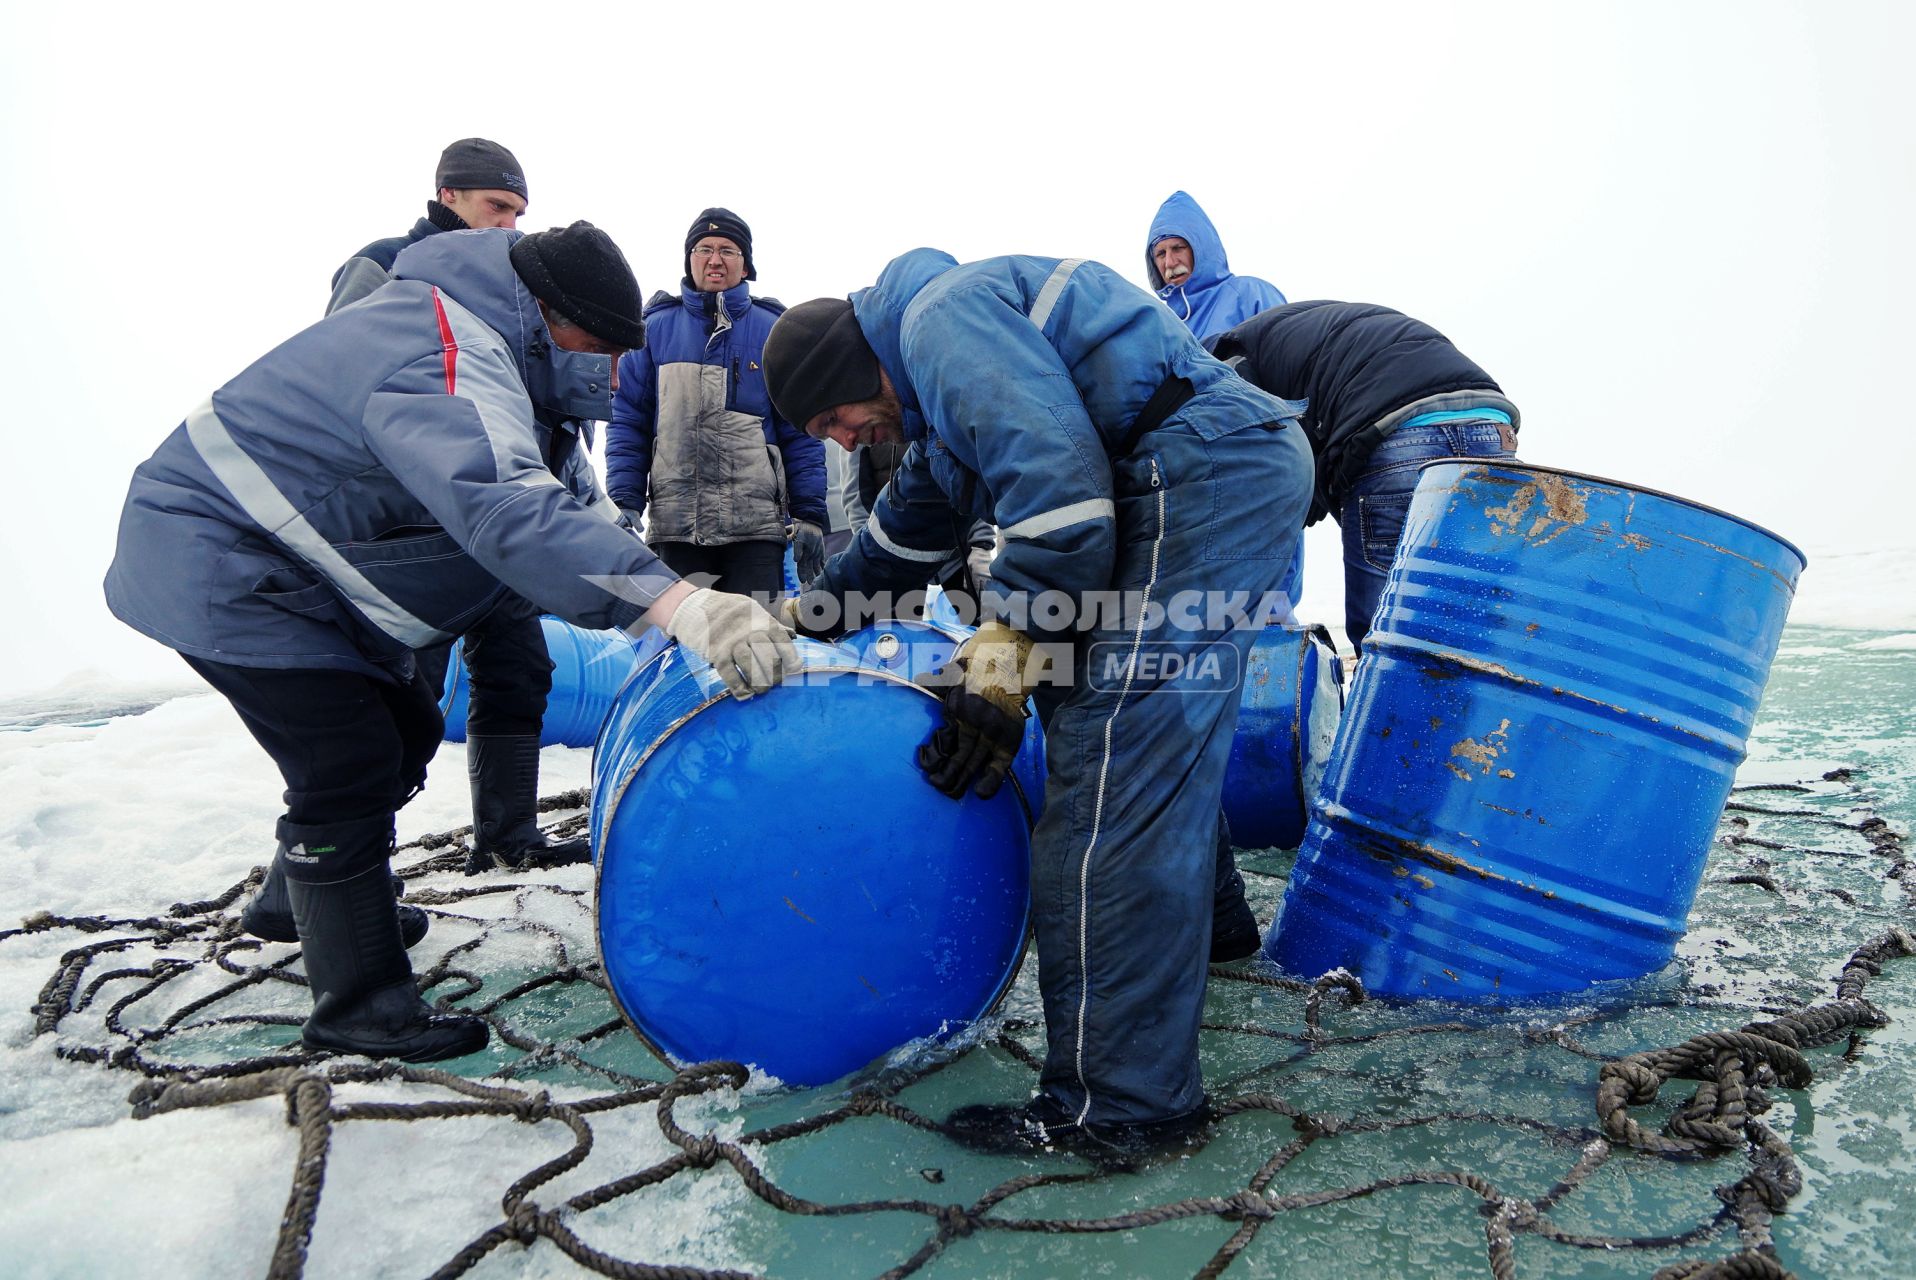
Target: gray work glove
[(749, 648), (978, 565), (808, 550)]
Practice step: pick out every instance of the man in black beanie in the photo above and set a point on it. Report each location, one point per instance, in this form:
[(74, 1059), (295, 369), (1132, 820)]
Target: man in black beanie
[(372, 487), (1148, 500), (696, 446), (478, 183)]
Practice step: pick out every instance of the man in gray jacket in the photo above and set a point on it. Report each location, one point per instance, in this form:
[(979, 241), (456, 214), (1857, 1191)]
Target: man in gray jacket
[(367, 489), (509, 672)]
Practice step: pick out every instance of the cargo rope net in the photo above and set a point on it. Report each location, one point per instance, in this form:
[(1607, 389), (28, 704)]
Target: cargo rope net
[(1735, 1070)]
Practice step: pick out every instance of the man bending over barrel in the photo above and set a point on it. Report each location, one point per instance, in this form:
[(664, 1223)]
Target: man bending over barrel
[(1063, 404)]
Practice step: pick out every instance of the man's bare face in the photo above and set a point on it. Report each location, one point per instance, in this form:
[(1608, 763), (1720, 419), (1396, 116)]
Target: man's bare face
[(717, 264), (485, 206), (1173, 259), (880, 420)]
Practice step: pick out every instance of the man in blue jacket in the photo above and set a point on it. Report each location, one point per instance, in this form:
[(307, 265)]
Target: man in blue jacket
[(1385, 395), (696, 446), (366, 489), (1185, 262), (477, 184), (1148, 499)]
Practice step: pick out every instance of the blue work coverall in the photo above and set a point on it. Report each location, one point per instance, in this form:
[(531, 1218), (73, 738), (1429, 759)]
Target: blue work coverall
[(1068, 407)]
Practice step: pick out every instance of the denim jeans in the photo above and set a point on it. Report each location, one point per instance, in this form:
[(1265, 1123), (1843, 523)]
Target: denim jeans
[(1372, 513)]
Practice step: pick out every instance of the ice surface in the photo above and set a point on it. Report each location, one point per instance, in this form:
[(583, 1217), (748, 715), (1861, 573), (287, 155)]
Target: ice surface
[(129, 814)]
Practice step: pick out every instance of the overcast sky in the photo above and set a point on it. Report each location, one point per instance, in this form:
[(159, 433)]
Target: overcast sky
[(1678, 234)]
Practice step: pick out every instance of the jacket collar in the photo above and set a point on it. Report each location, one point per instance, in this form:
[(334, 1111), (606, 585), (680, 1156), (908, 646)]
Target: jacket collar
[(738, 299)]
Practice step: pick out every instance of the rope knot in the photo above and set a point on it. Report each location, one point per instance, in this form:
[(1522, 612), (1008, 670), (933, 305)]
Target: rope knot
[(703, 1150), (524, 1223), (956, 1220), (1249, 1204), (533, 1109)]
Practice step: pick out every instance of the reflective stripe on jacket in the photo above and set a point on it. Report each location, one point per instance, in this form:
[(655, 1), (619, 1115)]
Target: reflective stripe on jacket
[(365, 488)]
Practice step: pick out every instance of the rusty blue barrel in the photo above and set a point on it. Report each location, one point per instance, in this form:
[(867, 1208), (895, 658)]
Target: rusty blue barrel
[(588, 670), (778, 884), (912, 649), (1550, 709), (1286, 721)]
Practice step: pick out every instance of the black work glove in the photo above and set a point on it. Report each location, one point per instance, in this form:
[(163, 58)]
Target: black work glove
[(984, 696)]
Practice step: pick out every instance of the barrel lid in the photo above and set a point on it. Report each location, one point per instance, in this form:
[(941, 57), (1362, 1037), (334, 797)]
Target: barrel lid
[(1511, 464)]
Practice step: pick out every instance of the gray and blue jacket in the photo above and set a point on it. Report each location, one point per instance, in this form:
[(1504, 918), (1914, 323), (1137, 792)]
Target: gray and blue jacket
[(1021, 379), (694, 439), (364, 489), (1211, 299)]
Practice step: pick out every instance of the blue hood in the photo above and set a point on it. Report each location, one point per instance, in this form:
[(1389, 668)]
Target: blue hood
[(1180, 216), (881, 314)]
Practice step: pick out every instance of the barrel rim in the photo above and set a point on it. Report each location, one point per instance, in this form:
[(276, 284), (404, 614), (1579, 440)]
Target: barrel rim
[(1514, 464), (598, 863)]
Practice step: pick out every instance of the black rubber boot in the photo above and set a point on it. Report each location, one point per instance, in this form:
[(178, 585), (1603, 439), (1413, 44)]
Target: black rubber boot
[(268, 914), (505, 808), (1234, 933), (364, 1000), (1045, 1125)]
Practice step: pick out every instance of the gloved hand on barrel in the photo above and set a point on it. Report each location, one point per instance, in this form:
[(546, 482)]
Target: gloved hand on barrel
[(808, 550), (816, 615), (749, 648), (985, 687)]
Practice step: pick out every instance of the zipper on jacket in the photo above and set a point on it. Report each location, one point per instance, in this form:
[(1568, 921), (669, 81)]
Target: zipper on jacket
[(731, 391), (1157, 481)]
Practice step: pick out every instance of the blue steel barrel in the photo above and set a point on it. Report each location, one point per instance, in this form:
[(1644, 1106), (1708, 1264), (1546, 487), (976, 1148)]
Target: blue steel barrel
[(1286, 720), (1553, 700), (777, 883), (912, 649), (588, 669)]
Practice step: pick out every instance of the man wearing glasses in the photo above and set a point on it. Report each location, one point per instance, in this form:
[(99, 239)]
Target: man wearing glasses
[(695, 446)]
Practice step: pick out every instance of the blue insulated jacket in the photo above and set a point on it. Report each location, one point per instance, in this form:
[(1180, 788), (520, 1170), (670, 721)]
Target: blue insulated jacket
[(363, 489), (1210, 299), (694, 440), (1021, 378), (372, 266)]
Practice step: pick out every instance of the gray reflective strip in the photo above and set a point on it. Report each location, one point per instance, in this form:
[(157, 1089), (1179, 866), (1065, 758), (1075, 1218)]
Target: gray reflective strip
[(902, 552), (1048, 296), (485, 375), (1060, 517), (268, 507)]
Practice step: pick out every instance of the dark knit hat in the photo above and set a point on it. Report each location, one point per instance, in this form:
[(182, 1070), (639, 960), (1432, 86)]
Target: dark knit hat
[(816, 358), (578, 271), (720, 222), (478, 164)]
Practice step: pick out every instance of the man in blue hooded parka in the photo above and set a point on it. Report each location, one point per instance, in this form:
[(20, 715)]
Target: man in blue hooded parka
[(369, 488), (1184, 260), (1120, 462)]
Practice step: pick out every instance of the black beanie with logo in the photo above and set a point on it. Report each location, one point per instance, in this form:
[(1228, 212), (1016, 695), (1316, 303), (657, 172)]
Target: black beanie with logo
[(720, 222), (479, 164)]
